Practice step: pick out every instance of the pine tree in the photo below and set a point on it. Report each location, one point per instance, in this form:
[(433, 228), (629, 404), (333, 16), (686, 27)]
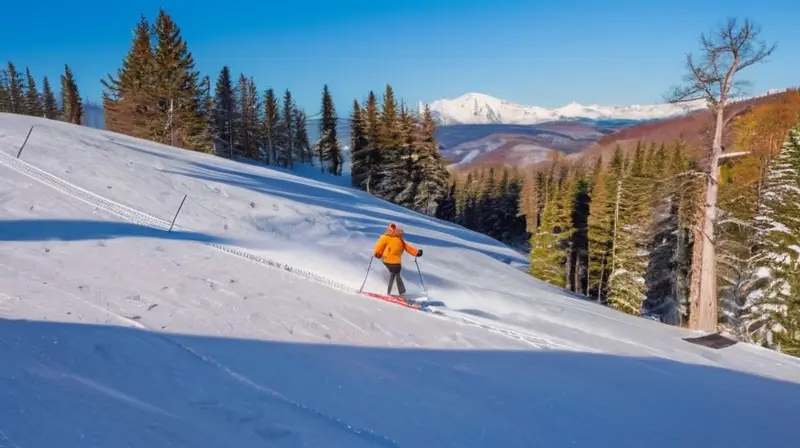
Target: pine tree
[(208, 115), (434, 177), (372, 129), (601, 225), (580, 239), (389, 121), (667, 269), (14, 90), (225, 108), (778, 256), (301, 142), (761, 133), (487, 204), (5, 100), (447, 209), (271, 125), (550, 244), (128, 98), (528, 202), (71, 98), (401, 172), (49, 103), (328, 146), (248, 123), (177, 120), (788, 340), (33, 101), (287, 130), (626, 284), (358, 148)]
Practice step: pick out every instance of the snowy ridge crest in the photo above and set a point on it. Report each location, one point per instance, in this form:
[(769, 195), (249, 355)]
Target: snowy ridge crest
[(479, 108)]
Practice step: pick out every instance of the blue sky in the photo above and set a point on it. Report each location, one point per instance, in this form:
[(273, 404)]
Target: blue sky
[(529, 51)]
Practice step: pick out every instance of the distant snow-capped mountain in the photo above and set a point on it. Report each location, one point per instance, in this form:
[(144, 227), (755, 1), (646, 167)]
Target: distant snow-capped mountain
[(478, 108)]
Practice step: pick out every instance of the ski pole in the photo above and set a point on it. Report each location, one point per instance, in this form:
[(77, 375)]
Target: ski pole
[(419, 271), (366, 276)]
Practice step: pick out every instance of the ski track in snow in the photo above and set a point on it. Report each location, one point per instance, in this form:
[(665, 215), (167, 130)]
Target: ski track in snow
[(138, 217)]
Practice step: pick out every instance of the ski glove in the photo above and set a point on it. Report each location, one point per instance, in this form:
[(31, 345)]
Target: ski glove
[(419, 253), (377, 255)]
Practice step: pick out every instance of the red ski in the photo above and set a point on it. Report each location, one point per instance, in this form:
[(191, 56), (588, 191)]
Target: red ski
[(392, 299)]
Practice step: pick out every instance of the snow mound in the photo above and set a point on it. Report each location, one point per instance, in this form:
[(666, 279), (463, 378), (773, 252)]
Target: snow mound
[(240, 327)]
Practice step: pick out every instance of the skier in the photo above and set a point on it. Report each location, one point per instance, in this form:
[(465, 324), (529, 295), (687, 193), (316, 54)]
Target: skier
[(390, 248)]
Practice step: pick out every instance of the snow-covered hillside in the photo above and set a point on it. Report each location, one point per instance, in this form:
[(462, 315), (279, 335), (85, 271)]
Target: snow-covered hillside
[(239, 328), (478, 108)]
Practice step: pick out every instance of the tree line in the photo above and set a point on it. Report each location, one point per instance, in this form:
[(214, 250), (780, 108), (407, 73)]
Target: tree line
[(395, 155), (19, 94), (158, 95), (701, 237), (624, 231)]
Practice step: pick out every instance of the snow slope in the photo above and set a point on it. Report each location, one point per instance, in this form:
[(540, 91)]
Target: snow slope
[(479, 108), (240, 328)]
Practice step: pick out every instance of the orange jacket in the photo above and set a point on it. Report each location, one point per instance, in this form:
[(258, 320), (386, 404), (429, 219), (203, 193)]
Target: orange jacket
[(391, 245)]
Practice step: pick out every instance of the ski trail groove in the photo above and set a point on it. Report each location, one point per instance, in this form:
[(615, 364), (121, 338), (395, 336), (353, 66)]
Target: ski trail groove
[(365, 434), (139, 217)]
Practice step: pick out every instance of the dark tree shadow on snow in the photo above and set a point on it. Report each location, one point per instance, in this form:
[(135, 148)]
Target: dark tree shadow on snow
[(78, 230), (66, 384)]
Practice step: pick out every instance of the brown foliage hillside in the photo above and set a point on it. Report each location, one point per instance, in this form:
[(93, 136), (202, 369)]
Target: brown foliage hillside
[(696, 128)]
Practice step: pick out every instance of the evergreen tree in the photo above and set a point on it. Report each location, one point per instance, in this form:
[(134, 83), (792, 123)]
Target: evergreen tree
[(5, 100), (667, 271), (389, 121), (328, 146), (626, 284), (208, 113), (372, 128), (761, 133), (33, 101), (446, 209), (788, 340), (128, 99), (177, 120), (287, 130), (49, 103), (528, 202), (580, 240), (778, 256), (601, 224), (225, 112), (301, 143), (434, 177), (401, 174), (248, 124), (14, 90), (71, 98), (487, 204), (271, 125), (358, 148), (550, 244)]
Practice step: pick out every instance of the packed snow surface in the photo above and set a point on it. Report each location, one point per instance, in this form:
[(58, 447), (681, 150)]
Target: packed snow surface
[(239, 329)]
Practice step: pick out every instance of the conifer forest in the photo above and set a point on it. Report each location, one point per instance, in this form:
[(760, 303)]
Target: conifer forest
[(625, 228)]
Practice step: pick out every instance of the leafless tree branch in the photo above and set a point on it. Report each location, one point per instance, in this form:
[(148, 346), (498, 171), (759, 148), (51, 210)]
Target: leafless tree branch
[(726, 51)]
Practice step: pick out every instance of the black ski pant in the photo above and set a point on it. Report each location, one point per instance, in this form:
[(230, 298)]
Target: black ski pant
[(394, 276)]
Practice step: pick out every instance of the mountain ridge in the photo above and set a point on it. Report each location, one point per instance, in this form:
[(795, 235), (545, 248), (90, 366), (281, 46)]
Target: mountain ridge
[(480, 108)]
